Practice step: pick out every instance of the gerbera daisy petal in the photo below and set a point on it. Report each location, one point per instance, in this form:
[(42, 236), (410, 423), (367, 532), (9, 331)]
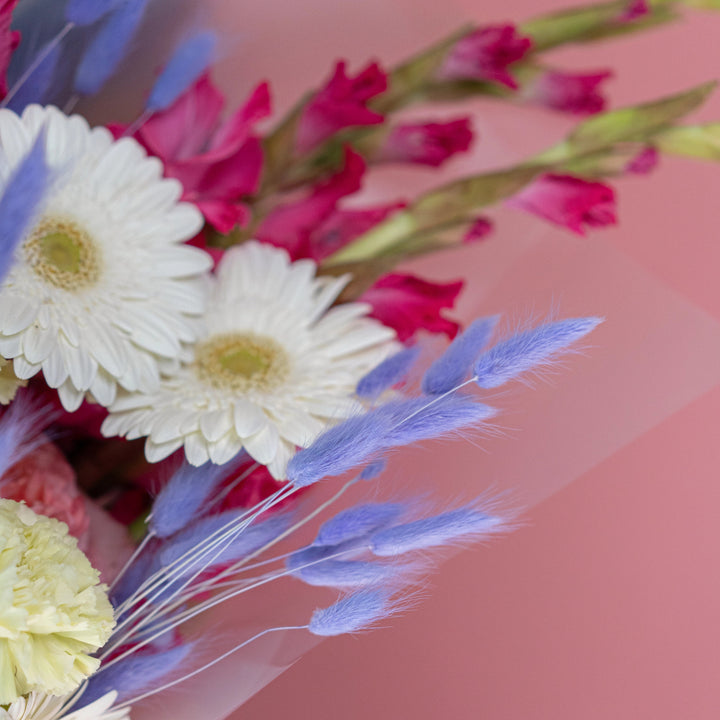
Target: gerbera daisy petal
[(70, 397), (263, 445), (54, 368), (93, 299), (18, 314), (249, 418), (273, 369), (196, 449)]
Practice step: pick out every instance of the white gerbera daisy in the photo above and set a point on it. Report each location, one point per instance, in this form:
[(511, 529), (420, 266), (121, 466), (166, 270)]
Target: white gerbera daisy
[(103, 290), (275, 366), (39, 706)]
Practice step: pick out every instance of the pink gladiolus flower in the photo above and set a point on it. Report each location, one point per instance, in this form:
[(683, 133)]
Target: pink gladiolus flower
[(486, 54), (426, 143), (568, 201), (9, 40), (570, 92), (343, 226), (290, 225), (45, 481), (408, 304), (218, 163), (341, 103), (644, 162), (479, 230), (635, 9)]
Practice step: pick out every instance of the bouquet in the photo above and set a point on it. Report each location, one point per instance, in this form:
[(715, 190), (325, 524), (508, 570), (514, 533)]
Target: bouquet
[(208, 352)]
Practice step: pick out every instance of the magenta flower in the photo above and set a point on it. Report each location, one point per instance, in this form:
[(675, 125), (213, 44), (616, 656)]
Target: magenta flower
[(635, 9), (341, 103), (568, 201), (577, 93), (479, 230), (9, 40), (426, 143), (408, 304), (218, 163), (486, 54), (644, 162), (343, 226), (291, 225)]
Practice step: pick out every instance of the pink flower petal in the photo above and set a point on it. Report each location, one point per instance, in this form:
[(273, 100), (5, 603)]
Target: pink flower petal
[(408, 304), (339, 104)]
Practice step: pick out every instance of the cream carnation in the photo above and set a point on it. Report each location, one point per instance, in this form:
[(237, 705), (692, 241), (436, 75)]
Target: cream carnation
[(39, 706), (53, 612), (103, 291), (275, 365)]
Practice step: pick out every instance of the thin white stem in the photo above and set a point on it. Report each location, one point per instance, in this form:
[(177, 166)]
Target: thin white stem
[(132, 558), (72, 700), (295, 527), (137, 123), (222, 657), (219, 599), (190, 557), (231, 486), (436, 400), (213, 584), (206, 548), (71, 103), (37, 61)]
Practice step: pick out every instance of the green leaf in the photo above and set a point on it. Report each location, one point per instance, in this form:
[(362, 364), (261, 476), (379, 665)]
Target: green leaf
[(697, 141)]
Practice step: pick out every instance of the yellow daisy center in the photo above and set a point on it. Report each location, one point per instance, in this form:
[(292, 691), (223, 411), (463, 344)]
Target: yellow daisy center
[(63, 254), (241, 361)]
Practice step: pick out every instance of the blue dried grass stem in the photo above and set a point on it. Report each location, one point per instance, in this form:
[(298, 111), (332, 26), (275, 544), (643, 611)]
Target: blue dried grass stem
[(52, 46), (22, 201), (88, 12), (455, 364), (189, 61), (109, 46), (529, 350)]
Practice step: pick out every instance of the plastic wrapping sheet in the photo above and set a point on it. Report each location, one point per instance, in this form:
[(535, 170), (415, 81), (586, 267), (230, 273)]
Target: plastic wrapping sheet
[(654, 354)]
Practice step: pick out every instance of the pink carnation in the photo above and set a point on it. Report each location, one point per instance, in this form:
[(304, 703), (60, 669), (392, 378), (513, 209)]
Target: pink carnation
[(341, 103), (577, 93), (9, 40), (568, 201), (218, 163), (426, 143), (486, 54), (45, 481), (408, 304)]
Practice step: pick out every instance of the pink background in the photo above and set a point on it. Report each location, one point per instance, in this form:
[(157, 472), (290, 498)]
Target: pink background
[(605, 604)]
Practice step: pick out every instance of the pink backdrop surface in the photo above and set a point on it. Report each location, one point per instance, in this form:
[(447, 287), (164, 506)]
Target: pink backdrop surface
[(605, 604)]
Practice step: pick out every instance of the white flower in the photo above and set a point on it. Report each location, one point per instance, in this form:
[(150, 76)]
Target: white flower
[(103, 291), (274, 368), (53, 612), (39, 706)]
